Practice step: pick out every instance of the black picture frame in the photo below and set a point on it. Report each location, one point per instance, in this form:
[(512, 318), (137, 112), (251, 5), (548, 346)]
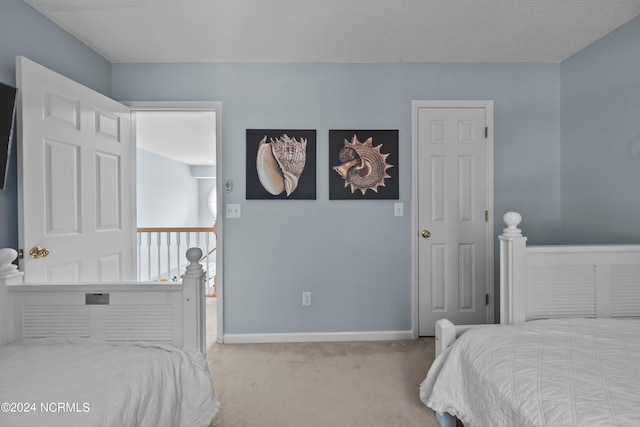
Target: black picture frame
[(381, 146), (263, 168)]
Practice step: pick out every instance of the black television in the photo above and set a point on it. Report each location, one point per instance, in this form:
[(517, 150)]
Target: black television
[(7, 116)]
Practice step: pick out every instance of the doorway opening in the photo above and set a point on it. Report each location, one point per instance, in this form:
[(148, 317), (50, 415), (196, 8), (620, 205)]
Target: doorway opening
[(177, 147)]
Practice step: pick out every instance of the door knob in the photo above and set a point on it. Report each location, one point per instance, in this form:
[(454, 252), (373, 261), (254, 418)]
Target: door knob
[(38, 252), (426, 234)]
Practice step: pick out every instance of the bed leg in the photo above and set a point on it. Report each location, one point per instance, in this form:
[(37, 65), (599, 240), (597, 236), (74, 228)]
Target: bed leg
[(446, 419)]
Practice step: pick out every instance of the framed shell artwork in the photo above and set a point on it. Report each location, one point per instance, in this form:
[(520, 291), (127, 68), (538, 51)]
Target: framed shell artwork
[(281, 164), (364, 164)]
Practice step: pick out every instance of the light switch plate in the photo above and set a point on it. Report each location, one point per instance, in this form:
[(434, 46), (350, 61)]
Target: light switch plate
[(233, 210), (398, 209)]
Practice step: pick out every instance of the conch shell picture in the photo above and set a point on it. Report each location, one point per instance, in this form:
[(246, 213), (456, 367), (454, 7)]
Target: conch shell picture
[(280, 164), (363, 166)]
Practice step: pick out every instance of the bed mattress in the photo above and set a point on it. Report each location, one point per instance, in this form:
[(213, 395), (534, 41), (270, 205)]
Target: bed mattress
[(560, 372), (82, 382)]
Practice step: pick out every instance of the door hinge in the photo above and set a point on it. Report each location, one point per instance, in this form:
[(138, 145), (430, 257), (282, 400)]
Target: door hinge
[(486, 299), (20, 253), (486, 132), (486, 216)]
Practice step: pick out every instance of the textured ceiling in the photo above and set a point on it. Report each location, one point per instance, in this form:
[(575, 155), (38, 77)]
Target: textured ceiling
[(338, 31), (330, 31)]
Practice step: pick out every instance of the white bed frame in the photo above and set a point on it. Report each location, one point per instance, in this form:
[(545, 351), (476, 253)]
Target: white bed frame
[(541, 282), (160, 312)]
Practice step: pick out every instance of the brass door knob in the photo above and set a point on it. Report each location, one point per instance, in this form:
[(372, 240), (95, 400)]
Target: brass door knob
[(426, 234), (38, 252)]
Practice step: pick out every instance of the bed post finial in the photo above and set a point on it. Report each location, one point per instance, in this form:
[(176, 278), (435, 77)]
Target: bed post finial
[(194, 267), (512, 219), (8, 270)]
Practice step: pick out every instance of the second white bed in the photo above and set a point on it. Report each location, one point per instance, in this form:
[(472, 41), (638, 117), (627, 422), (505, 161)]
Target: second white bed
[(556, 372), (567, 352)]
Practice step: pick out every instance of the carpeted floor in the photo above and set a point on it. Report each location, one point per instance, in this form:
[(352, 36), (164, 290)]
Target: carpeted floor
[(350, 384)]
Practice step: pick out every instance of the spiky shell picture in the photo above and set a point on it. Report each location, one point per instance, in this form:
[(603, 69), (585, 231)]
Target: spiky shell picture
[(364, 164)]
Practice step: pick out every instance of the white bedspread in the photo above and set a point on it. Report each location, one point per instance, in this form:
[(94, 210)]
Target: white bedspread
[(571, 372), (80, 382)]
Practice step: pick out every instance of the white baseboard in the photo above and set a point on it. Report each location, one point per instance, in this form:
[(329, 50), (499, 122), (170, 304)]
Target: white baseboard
[(317, 337)]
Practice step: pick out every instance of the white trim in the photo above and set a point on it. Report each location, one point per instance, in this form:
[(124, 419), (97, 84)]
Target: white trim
[(298, 337), (415, 301), (173, 105), (207, 106), (488, 107)]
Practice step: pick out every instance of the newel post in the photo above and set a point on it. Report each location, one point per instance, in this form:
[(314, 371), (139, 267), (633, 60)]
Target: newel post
[(513, 247), (193, 306), (9, 275)]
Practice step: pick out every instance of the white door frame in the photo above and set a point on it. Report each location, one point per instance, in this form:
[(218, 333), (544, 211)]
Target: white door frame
[(199, 106), (415, 227)]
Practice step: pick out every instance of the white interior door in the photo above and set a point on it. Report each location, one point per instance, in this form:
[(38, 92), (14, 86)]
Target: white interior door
[(454, 191), (76, 188)]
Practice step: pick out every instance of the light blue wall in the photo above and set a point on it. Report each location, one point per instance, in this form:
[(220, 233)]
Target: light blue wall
[(601, 140), (25, 32), (355, 257), (167, 195)]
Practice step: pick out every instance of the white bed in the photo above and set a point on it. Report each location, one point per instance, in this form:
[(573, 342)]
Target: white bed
[(567, 352), (104, 354)]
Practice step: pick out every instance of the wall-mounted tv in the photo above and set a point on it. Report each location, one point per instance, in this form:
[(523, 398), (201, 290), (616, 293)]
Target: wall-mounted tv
[(7, 115)]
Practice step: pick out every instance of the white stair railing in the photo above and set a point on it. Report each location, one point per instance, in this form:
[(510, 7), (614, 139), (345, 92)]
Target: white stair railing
[(160, 253)]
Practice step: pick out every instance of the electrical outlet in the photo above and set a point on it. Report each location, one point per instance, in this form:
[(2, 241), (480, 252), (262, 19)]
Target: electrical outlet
[(306, 298), (398, 209), (233, 210)]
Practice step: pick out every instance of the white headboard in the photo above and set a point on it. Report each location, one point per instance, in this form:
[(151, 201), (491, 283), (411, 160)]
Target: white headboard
[(164, 312), (539, 282)]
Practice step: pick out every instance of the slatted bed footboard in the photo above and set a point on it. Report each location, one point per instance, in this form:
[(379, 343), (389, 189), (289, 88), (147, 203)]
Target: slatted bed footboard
[(557, 281), (543, 282), (112, 312)]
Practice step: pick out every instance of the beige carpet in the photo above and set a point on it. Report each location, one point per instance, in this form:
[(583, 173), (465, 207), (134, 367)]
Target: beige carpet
[(351, 384)]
